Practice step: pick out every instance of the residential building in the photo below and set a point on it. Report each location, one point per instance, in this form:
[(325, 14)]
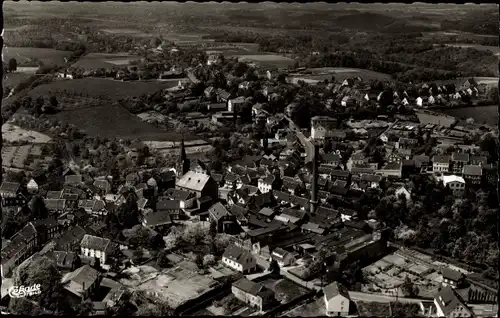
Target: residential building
[(458, 161), (337, 300), (450, 304), (94, 246), (440, 164), (322, 126), (332, 159), (224, 220), (64, 260), (11, 194), (254, 294), (282, 257), (473, 174), (239, 259), (235, 104), (452, 278), (18, 248), (32, 186), (81, 283), (187, 199), (266, 184), (456, 183), (391, 169), (404, 192), (198, 183)]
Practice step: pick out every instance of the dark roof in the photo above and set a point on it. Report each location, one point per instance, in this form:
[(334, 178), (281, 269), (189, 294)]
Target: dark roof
[(449, 300), (339, 173), (335, 289), (441, 159), (456, 156), (453, 275), (331, 157), (238, 211), (282, 196), (54, 194), (10, 187), (266, 211), (249, 286), (158, 218), (55, 205), (95, 242), (218, 211), (269, 179), (177, 194), (217, 177), (230, 177), (168, 205), (239, 254), (473, 170), (73, 179), (371, 178), (295, 213), (263, 199)]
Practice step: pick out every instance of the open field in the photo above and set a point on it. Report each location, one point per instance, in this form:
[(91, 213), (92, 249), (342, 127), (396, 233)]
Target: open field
[(13, 79), (481, 114), (114, 121), (104, 60), (268, 60), (341, 73), (490, 81), (17, 157), (15, 133), (27, 54), (98, 87), (128, 32)]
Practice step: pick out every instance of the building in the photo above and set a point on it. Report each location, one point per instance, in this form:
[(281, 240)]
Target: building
[(473, 174), (32, 186), (392, 169), (404, 192), (223, 219), (11, 194), (458, 161), (235, 104), (322, 127), (94, 246), (239, 259), (81, 283), (452, 278), (266, 184), (337, 300), (282, 257), (18, 248), (254, 294), (199, 184), (449, 304), (456, 183), (441, 164)]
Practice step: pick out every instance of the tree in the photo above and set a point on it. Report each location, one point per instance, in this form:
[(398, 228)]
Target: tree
[(408, 288), (209, 260), (86, 308), (24, 307), (12, 65), (38, 208), (53, 101), (163, 260)]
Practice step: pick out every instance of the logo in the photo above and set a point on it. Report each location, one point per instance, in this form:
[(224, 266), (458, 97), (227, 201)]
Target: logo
[(22, 291)]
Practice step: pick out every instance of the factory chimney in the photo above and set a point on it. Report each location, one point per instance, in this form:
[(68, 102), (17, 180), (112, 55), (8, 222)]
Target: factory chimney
[(313, 203)]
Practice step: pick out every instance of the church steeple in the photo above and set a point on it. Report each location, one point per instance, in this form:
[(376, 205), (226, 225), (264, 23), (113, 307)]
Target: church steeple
[(183, 163)]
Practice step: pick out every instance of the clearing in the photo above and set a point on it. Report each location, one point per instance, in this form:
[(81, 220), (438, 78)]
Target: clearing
[(105, 60), (29, 54), (13, 133)]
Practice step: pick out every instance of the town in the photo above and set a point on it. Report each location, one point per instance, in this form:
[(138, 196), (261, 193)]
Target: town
[(277, 194)]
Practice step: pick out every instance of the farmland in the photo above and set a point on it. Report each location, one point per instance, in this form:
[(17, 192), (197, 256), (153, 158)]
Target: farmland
[(98, 87), (493, 49), (341, 73), (104, 60), (14, 133), (268, 60), (13, 79), (113, 121), (27, 55)]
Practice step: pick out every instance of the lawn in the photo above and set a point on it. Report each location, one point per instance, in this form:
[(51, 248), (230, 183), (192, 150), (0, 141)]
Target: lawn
[(104, 60), (13, 133), (27, 54), (114, 121), (98, 88)]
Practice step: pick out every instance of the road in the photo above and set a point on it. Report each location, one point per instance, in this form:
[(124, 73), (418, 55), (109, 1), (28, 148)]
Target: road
[(382, 298), (306, 143)]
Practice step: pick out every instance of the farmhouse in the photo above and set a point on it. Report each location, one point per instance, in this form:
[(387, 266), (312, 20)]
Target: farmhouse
[(337, 300), (254, 294), (239, 259), (94, 246)]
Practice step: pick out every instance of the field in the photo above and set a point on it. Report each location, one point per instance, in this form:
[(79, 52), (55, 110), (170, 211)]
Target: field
[(268, 60), (98, 87), (490, 81), (15, 133), (128, 32), (341, 73), (311, 309), (104, 60), (13, 79), (481, 114), (27, 54), (114, 121)]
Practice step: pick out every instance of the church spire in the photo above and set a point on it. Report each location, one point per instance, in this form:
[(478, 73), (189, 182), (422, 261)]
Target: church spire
[(183, 163), (182, 151)]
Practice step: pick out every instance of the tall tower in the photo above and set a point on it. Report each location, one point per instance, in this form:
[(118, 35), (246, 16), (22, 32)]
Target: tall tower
[(183, 162), (313, 203)]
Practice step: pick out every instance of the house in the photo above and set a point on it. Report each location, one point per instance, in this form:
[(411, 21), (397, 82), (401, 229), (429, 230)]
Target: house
[(293, 216), (254, 294), (404, 192), (452, 278), (221, 217), (32, 186), (212, 59), (406, 143), (357, 158), (64, 260), (322, 127), (18, 248), (419, 101), (469, 83), (458, 161), (450, 304), (267, 184), (440, 164), (337, 300), (57, 206), (239, 259), (157, 220), (456, 183), (94, 246), (102, 185), (198, 183), (282, 257), (473, 174), (421, 160), (332, 159), (81, 283), (73, 180), (186, 199), (391, 169), (223, 96), (71, 239), (235, 104), (478, 160), (11, 194), (373, 181)]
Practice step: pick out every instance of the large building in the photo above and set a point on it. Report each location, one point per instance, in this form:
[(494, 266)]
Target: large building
[(323, 127), (199, 184), (449, 304)]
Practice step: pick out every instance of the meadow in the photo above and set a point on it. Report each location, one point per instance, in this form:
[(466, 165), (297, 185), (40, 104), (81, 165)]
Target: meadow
[(27, 55), (341, 73), (494, 49), (104, 60), (268, 60)]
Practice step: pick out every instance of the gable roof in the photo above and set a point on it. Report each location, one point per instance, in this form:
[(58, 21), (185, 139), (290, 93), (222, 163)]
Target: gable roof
[(193, 181), (157, 218), (10, 187), (239, 255), (448, 273), (81, 279), (218, 211), (473, 170), (95, 242), (335, 289), (449, 300), (248, 286)]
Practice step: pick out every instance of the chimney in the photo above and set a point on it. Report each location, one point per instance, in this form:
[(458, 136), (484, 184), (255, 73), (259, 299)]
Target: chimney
[(313, 203)]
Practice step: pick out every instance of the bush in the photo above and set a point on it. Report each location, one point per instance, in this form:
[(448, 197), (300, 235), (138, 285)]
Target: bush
[(209, 260)]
